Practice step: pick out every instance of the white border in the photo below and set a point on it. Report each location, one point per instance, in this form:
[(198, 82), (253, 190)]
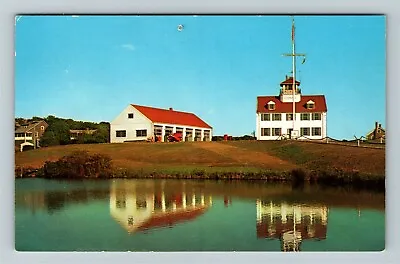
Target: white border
[(11, 8)]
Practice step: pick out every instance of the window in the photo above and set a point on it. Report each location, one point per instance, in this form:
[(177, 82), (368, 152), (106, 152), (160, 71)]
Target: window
[(130, 115), (316, 116), (271, 106), (316, 131), (276, 117), (37, 134), (189, 132), (265, 132), (265, 117), (141, 133), (41, 127), (304, 131), (276, 131), (120, 133), (310, 104), (304, 116), (157, 130), (289, 117), (197, 133)]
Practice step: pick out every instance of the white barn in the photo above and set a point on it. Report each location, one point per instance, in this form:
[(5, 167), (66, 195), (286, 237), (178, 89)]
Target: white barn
[(138, 123), (274, 115)]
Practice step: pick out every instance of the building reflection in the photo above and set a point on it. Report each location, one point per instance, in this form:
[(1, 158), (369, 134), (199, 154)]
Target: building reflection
[(138, 208), (291, 223)]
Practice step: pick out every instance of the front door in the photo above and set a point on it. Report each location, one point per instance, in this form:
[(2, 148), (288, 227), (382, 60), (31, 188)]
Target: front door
[(289, 131)]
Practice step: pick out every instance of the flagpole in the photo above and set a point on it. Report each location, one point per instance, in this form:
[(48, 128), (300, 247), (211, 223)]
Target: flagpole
[(294, 74), (294, 55)]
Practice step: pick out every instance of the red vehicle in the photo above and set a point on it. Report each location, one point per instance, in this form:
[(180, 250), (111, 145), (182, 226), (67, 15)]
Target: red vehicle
[(175, 137)]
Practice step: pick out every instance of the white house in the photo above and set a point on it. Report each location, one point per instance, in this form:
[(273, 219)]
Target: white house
[(274, 116), (137, 123)]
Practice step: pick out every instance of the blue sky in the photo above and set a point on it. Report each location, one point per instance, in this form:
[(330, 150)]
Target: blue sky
[(91, 67)]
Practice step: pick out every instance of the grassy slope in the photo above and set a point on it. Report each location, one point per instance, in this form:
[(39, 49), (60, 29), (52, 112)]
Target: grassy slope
[(322, 156), (225, 156)]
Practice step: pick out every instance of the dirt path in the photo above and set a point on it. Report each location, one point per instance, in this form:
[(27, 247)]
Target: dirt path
[(246, 157)]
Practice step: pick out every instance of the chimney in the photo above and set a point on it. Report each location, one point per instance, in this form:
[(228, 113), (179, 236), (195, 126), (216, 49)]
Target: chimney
[(171, 109), (375, 130)]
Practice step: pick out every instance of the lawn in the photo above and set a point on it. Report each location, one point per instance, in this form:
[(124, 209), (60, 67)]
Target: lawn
[(247, 156)]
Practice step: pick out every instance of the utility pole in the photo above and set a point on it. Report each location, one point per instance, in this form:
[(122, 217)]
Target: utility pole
[(294, 55)]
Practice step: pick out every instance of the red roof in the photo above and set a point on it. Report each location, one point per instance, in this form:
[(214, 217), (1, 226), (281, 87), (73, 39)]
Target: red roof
[(171, 116), (172, 218), (280, 107), (289, 81)]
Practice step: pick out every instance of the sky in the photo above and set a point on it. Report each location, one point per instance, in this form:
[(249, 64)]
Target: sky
[(90, 68)]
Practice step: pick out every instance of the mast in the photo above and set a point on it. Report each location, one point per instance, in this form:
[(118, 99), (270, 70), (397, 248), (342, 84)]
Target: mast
[(294, 74), (294, 55)]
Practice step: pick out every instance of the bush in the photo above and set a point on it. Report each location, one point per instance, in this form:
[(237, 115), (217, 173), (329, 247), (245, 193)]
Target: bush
[(78, 165)]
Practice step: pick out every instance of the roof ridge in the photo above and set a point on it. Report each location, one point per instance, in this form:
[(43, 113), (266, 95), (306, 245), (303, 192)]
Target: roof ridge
[(167, 115), (159, 108)]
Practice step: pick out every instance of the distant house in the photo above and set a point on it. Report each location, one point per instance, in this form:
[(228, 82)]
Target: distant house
[(28, 134), (377, 133), (136, 123), (76, 134), (274, 114)]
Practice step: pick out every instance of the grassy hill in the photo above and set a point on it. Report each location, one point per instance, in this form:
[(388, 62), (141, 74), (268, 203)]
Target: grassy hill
[(228, 156)]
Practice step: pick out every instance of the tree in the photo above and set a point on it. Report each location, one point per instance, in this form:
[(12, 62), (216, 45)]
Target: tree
[(57, 133)]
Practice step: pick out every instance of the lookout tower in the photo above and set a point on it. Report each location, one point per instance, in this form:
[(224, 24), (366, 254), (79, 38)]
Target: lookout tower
[(287, 95)]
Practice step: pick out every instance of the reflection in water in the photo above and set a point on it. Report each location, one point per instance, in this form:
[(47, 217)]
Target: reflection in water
[(56, 200), (222, 216), (291, 223), (139, 207)]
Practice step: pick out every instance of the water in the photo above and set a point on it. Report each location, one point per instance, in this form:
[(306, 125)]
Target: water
[(183, 215)]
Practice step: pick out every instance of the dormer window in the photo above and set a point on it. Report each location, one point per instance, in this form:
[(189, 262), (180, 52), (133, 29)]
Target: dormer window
[(271, 105), (310, 104)]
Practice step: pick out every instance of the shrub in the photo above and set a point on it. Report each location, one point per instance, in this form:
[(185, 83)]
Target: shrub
[(78, 165)]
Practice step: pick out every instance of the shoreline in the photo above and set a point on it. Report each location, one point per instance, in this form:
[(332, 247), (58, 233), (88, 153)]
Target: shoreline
[(296, 177), (297, 163)]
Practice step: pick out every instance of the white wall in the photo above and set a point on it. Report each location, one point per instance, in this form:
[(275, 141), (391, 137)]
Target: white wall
[(122, 122), (285, 125), (140, 121)]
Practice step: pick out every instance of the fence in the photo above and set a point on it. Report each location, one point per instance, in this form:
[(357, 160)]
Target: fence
[(361, 142)]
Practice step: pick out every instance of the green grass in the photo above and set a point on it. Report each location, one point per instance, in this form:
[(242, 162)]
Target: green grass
[(188, 156), (317, 156)]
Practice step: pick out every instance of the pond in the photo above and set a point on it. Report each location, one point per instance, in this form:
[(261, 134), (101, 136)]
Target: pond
[(187, 215)]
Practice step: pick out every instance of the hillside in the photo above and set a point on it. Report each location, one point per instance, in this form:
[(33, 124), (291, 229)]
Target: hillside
[(226, 156)]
